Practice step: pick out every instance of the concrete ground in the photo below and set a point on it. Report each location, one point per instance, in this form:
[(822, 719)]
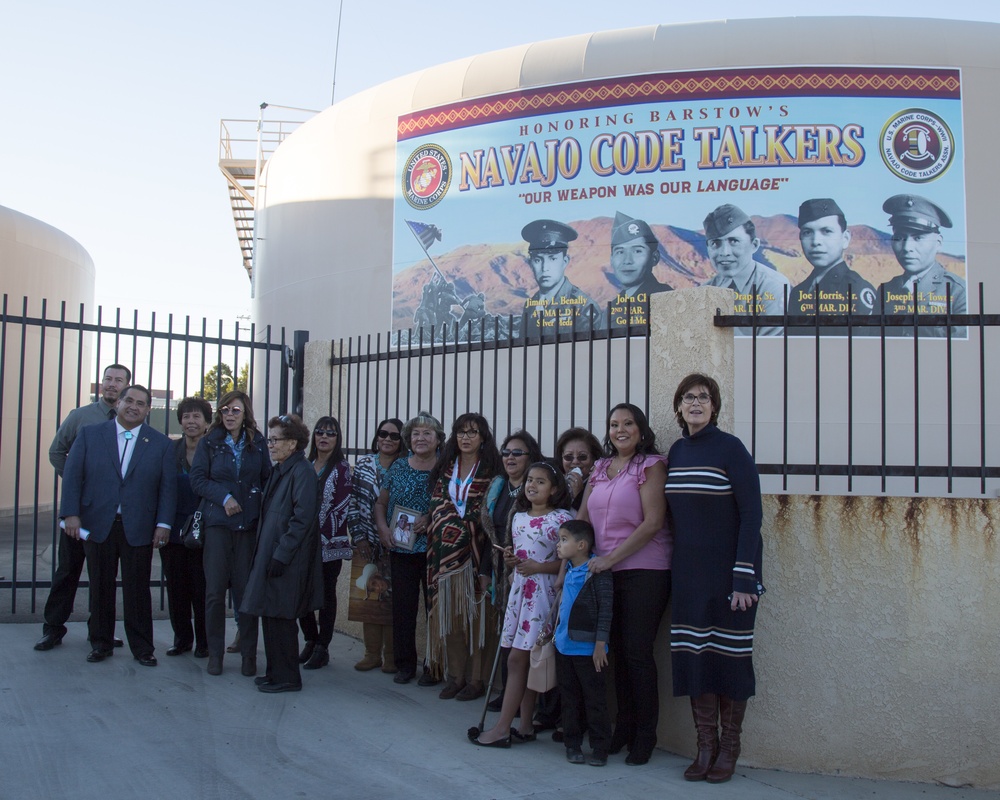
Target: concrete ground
[(69, 729)]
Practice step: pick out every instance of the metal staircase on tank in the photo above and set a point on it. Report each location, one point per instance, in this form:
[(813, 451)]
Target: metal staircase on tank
[(245, 145)]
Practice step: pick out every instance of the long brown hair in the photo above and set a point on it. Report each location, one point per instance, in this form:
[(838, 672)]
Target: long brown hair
[(249, 429), (490, 463)]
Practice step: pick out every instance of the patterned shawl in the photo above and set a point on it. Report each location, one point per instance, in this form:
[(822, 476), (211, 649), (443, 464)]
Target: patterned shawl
[(334, 497), (367, 483), (455, 549)]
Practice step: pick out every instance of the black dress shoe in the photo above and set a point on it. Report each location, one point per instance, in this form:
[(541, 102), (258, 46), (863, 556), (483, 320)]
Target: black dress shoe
[(118, 642), (48, 641), (274, 688), (261, 680), (201, 651), (146, 659), (404, 676), (178, 649), (98, 654), (502, 743), (428, 680)]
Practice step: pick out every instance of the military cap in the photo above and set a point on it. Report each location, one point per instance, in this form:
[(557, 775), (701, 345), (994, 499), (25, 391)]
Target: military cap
[(547, 234), (724, 219), (910, 212), (812, 210), (625, 229)]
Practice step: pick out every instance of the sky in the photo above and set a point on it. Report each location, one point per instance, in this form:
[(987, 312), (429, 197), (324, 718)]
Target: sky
[(110, 111)]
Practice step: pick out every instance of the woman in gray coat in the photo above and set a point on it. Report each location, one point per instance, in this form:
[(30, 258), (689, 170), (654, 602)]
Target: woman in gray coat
[(286, 577)]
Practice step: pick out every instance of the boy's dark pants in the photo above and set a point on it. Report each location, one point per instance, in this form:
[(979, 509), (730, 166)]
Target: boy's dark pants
[(584, 702)]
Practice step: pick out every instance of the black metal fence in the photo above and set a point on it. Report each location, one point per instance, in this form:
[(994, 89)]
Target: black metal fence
[(543, 383), (871, 404), (52, 363), (837, 403)]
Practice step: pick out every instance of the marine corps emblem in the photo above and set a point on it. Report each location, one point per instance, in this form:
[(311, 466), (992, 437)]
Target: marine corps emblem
[(426, 176), (917, 145)]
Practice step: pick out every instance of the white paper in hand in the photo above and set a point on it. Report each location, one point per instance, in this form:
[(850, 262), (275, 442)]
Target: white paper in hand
[(84, 533)]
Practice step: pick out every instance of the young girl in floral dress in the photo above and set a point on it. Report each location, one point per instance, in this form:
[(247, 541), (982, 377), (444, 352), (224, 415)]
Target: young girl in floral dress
[(540, 510)]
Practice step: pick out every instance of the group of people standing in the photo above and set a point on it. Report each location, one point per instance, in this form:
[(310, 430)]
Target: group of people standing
[(497, 534), (501, 531)]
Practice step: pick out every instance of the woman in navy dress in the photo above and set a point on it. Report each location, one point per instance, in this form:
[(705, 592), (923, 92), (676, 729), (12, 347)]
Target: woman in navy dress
[(713, 494)]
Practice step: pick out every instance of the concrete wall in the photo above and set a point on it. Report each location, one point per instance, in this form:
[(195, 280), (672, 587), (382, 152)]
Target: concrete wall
[(876, 641)]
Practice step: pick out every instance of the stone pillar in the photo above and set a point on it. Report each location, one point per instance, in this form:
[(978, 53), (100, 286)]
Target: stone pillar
[(683, 340), (322, 382), (321, 390)]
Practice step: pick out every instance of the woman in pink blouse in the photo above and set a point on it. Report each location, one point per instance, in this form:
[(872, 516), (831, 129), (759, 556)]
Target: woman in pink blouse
[(624, 501)]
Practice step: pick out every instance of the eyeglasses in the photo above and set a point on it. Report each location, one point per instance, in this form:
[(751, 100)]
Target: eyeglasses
[(516, 453), (701, 399), (272, 440), (467, 434), (581, 457), (392, 437), (325, 432), (227, 411)]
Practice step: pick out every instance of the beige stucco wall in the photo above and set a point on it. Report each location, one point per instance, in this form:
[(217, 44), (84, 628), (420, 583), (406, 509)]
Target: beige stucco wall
[(39, 262), (876, 646), (875, 643)]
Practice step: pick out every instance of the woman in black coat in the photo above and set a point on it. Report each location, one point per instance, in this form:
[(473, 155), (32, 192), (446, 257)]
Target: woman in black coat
[(183, 570), (286, 577), (229, 470)]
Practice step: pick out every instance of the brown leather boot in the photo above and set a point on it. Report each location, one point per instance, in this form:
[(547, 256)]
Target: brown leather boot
[(731, 719), (388, 658), (372, 635), (705, 709)]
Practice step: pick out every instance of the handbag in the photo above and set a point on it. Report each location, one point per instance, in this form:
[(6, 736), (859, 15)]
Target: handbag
[(542, 666), (192, 533), (542, 659)]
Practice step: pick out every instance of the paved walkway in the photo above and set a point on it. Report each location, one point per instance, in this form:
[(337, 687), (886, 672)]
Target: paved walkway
[(69, 729)]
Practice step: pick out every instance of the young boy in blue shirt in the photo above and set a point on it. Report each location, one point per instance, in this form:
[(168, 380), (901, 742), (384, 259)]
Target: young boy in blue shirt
[(581, 645)]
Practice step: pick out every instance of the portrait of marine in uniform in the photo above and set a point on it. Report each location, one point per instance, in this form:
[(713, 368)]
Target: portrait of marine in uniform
[(731, 241), (832, 287), (558, 304), (634, 253), (916, 225)]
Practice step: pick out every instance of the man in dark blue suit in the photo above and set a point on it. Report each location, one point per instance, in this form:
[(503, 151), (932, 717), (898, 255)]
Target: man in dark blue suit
[(119, 492)]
